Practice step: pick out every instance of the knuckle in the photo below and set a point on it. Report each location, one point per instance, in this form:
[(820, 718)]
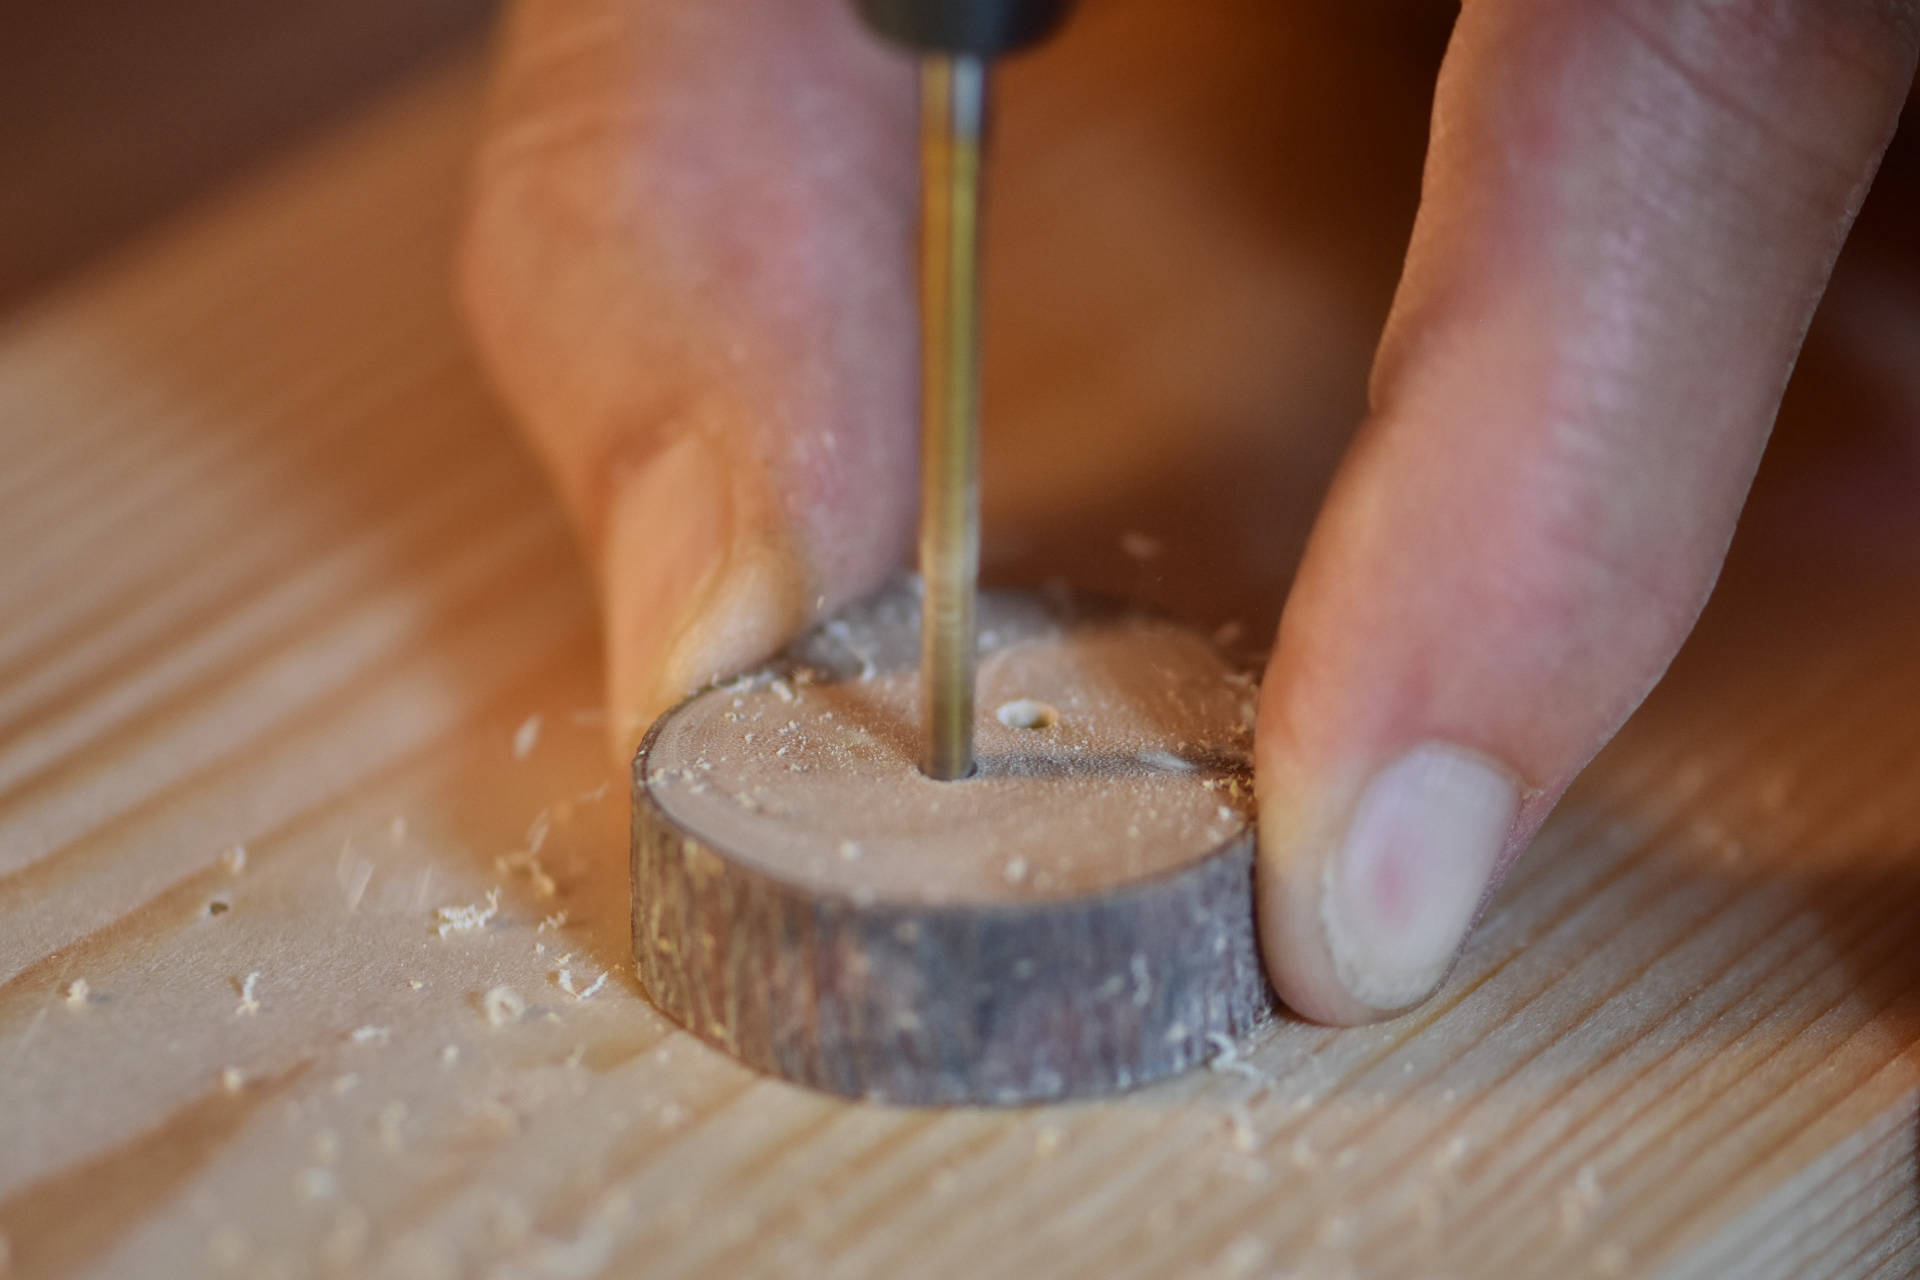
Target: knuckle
[(1810, 72)]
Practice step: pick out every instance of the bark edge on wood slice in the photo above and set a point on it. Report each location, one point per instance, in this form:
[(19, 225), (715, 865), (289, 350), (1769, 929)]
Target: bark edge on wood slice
[(1075, 921)]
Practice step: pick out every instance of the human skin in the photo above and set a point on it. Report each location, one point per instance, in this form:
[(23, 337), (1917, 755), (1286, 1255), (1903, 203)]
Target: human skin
[(684, 267)]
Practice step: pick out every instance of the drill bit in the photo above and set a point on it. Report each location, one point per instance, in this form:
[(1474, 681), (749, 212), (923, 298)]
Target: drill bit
[(953, 90)]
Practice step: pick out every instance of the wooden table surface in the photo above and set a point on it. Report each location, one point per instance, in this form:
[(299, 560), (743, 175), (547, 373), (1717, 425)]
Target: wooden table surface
[(279, 577)]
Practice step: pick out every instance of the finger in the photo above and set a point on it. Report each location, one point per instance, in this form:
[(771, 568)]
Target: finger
[(1630, 208), (686, 265)]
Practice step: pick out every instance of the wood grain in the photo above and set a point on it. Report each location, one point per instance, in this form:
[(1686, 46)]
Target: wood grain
[(278, 574), (117, 115)]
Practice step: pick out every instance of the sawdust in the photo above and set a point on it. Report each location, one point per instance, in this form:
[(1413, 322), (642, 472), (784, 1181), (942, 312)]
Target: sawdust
[(502, 1005), (78, 993), (1240, 1129), (527, 858), (249, 996), (1025, 713), (1226, 1057), (452, 920), (1579, 1199), (563, 978), (526, 737), (1110, 748)]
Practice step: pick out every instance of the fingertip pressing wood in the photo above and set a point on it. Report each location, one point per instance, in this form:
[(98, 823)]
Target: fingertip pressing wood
[(1076, 919)]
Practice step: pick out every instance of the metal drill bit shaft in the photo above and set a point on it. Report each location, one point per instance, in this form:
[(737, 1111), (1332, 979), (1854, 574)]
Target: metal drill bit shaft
[(952, 118)]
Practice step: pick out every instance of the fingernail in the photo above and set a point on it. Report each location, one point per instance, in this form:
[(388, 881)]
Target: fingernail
[(693, 590), (1402, 890)]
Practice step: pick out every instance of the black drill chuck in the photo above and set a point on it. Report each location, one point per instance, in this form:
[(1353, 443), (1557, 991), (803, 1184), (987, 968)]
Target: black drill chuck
[(976, 28)]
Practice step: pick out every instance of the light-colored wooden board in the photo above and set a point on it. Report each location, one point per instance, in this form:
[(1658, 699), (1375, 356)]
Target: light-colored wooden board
[(278, 574)]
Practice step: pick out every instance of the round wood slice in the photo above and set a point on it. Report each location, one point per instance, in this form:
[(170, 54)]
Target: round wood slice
[(1076, 918)]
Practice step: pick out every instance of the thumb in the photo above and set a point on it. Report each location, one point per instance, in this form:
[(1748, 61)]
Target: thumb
[(1630, 209), (685, 266)]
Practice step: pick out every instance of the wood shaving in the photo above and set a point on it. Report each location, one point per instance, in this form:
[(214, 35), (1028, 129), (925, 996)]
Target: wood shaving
[(563, 978), (452, 920), (1226, 1057), (234, 859), (78, 993), (249, 996), (371, 1035), (526, 737), (555, 921), (233, 1080), (503, 1005)]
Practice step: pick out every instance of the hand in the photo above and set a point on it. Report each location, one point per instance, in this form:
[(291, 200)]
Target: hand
[(684, 269)]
